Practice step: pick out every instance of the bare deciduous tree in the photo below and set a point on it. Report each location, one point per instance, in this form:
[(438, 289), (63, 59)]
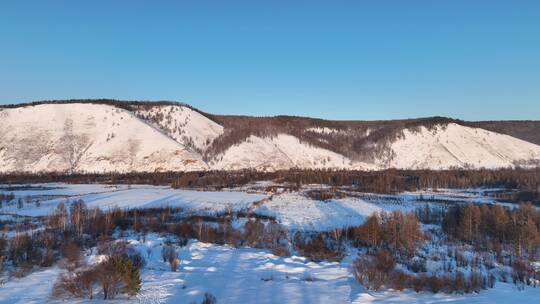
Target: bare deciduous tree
[(169, 254)]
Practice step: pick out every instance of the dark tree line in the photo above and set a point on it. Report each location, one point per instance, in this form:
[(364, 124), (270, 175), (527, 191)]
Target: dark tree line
[(527, 181)]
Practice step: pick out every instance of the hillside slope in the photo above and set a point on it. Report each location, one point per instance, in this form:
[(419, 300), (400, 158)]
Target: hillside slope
[(108, 135), (277, 153), (89, 138), (183, 124), (458, 146)]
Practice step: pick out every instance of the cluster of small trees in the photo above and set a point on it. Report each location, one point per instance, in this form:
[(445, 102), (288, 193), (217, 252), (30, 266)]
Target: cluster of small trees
[(66, 232), (377, 270), (116, 274), (319, 246), (431, 214), (396, 231), (7, 199), (496, 227), (524, 274), (24, 250), (325, 194)]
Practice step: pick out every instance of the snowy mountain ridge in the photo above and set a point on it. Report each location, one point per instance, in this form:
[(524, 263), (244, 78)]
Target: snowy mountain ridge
[(147, 137)]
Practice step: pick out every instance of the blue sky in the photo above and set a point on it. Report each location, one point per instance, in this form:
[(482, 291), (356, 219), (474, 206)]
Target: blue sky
[(473, 60)]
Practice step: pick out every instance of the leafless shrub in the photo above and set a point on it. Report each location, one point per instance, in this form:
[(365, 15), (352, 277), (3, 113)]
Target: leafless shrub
[(72, 255), (209, 299), (318, 248), (324, 194), (79, 284), (22, 270), (373, 271), (168, 253)]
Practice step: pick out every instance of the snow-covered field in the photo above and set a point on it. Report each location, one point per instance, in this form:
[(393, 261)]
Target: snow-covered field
[(108, 197), (249, 276), (242, 275)]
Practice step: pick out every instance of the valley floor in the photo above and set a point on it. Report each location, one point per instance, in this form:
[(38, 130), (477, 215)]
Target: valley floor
[(240, 275)]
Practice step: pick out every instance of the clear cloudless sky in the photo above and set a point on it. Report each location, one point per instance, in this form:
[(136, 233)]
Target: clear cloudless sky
[(378, 59)]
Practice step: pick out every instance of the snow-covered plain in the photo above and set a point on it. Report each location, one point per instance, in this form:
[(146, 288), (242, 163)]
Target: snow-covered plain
[(294, 211), (137, 196)]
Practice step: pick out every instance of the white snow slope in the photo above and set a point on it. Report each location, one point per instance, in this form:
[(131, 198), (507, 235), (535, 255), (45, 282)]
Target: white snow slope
[(454, 145), (183, 124), (276, 153), (444, 147), (89, 138)]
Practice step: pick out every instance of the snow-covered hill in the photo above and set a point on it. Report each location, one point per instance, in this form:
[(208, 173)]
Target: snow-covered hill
[(454, 145), (106, 137), (442, 147), (89, 138)]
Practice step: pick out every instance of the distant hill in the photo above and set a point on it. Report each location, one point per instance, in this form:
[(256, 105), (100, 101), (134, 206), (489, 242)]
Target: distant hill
[(123, 136)]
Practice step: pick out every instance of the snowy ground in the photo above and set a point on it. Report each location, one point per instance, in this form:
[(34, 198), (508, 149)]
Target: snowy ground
[(297, 212), (250, 276)]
